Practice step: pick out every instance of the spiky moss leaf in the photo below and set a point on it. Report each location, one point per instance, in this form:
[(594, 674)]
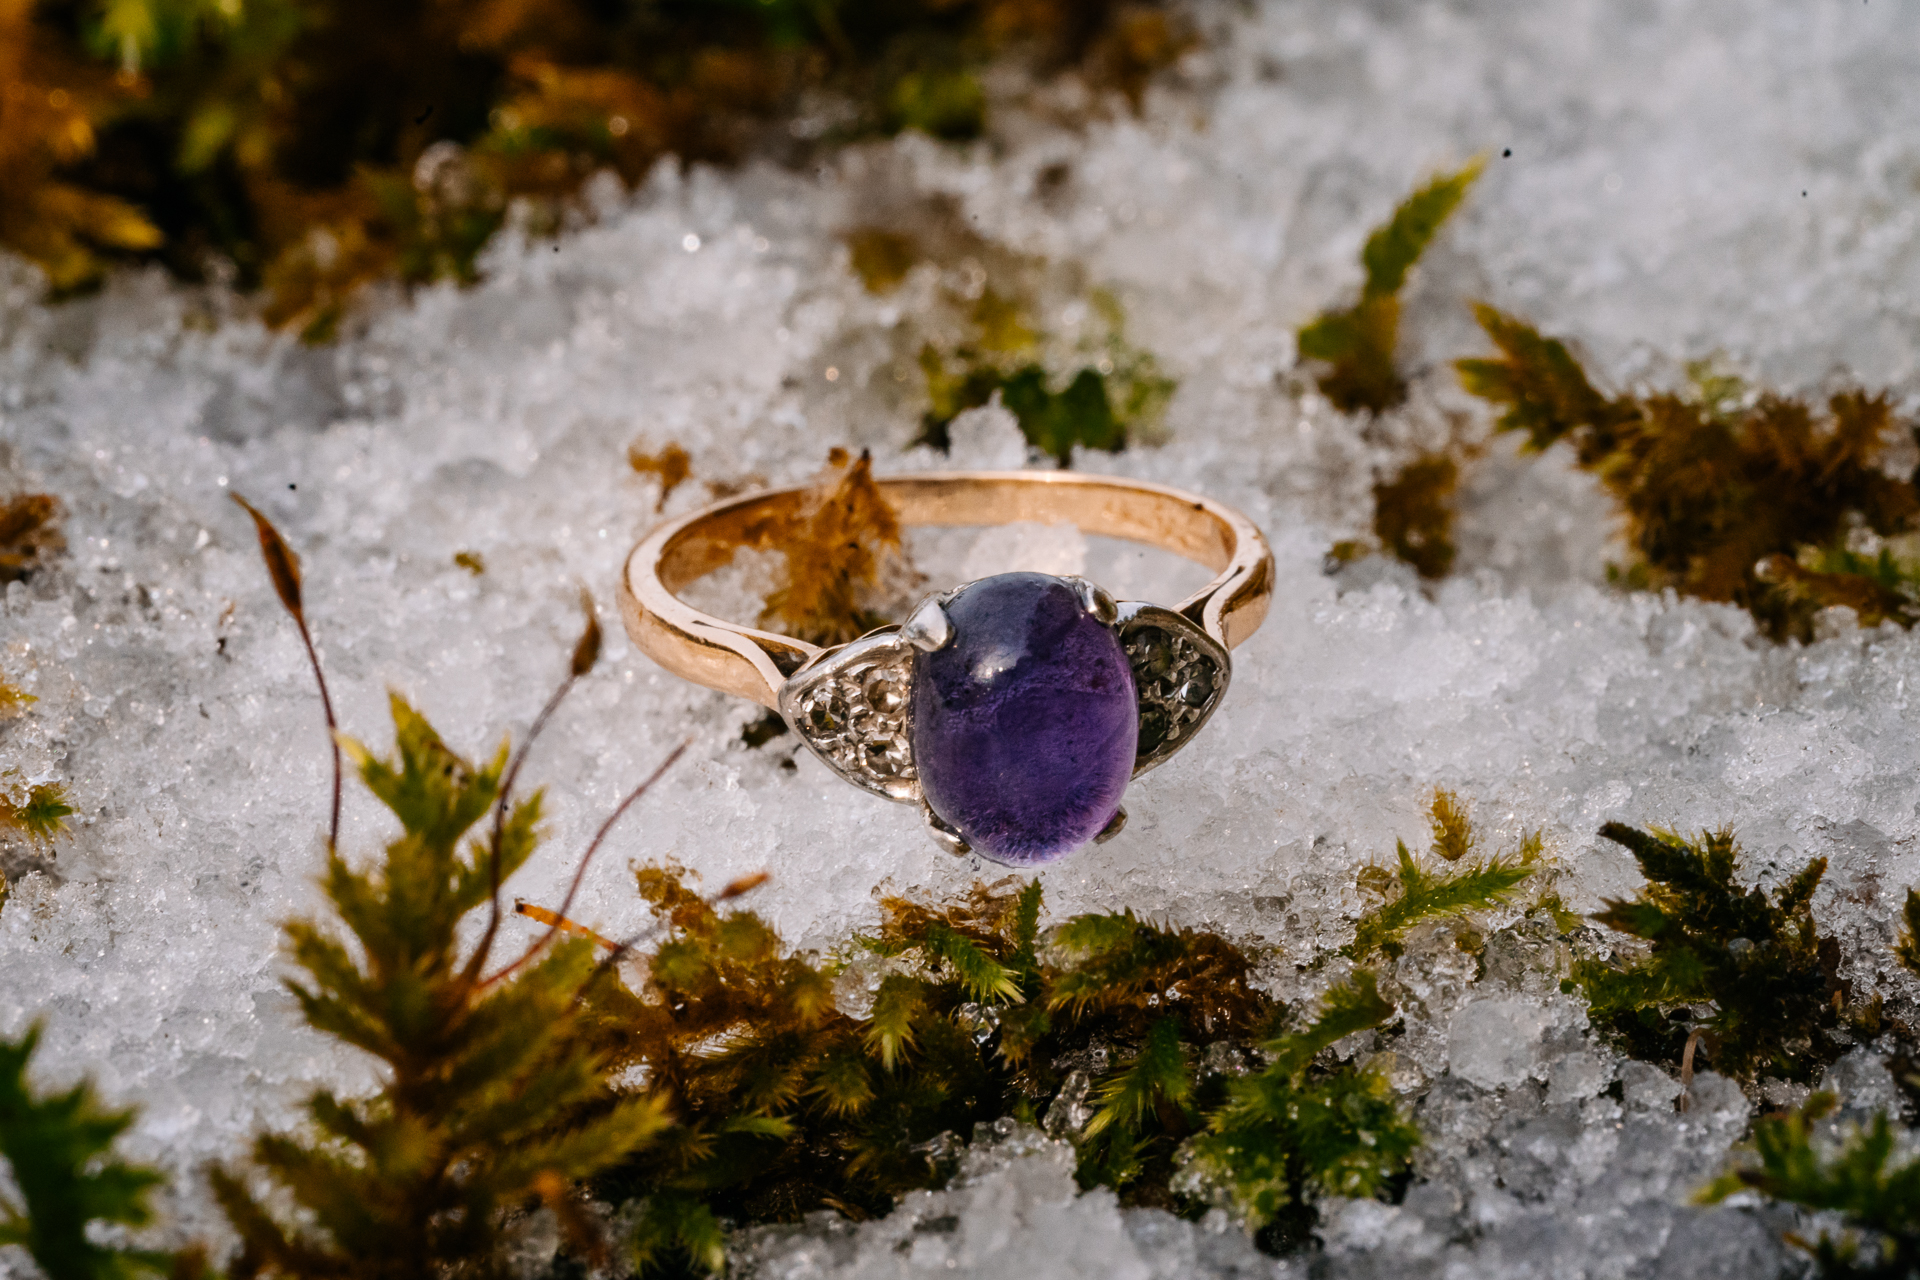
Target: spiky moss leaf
[(896, 1005), (984, 978), (59, 1149), (1357, 343), (1760, 963), (1158, 1075), (1859, 1180), (493, 1095)]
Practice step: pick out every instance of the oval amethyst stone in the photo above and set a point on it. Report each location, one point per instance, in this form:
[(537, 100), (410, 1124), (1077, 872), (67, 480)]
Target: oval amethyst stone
[(1025, 725)]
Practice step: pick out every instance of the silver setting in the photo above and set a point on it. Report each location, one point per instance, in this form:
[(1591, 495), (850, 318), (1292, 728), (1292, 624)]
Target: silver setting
[(1095, 600), (944, 833), (1113, 828), (850, 706), (928, 628), (1180, 674)]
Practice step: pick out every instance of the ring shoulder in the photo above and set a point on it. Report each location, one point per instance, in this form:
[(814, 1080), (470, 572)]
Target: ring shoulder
[(851, 705), (1180, 675)]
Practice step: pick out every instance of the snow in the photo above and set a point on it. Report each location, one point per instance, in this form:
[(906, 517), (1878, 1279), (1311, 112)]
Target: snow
[(1652, 208)]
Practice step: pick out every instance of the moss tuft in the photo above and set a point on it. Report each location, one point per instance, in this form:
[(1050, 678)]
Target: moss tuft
[(1414, 893), (1357, 344), (1754, 499), (838, 547), (1875, 1196), (1758, 965)]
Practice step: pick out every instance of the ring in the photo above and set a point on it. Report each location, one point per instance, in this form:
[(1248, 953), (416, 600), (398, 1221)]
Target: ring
[(1012, 709)]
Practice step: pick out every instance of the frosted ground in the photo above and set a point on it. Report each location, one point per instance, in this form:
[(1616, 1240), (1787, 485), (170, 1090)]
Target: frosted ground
[(1685, 179)]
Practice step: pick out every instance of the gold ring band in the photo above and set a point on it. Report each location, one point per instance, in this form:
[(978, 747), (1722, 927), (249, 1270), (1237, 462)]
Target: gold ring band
[(755, 664)]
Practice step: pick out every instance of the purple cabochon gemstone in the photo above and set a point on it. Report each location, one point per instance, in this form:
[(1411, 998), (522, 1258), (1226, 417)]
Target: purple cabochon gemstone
[(1025, 724)]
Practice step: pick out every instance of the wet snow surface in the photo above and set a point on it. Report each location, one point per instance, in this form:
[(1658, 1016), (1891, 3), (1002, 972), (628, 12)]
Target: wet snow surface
[(1684, 179)]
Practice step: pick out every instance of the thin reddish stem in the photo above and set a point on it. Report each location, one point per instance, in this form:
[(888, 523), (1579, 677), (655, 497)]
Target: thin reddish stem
[(333, 731), (580, 872)]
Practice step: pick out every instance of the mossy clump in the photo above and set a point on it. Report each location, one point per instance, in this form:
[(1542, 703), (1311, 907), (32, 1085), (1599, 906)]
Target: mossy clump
[(1758, 964), (1118, 394), (1413, 513), (29, 534), (493, 1097), (317, 146), (1290, 1130), (843, 553), (799, 1083), (1414, 893), (1876, 1197), (37, 814), (1356, 344), (1727, 495), (59, 1149)]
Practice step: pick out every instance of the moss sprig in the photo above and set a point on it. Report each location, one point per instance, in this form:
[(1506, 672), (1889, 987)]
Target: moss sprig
[(1414, 892), (1289, 1130), (1356, 344), (1876, 1195), (59, 1148), (1758, 963)]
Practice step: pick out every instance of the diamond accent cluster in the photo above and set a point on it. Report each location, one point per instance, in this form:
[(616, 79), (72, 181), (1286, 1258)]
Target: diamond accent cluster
[(1179, 674), (852, 711)]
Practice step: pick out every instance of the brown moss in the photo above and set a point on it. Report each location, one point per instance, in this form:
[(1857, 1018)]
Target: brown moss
[(29, 535), (1413, 513), (881, 258), (672, 466), (305, 142), (837, 547), (1752, 500)]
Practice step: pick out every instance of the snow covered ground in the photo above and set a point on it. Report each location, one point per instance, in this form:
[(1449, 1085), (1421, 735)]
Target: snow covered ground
[(1666, 181)]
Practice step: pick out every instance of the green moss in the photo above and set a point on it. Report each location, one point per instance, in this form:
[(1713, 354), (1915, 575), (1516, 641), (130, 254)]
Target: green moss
[(1356, 344), (493, 1097), (1120, 395), (1876, 1197), (1414, 893), (1289, 1130), (1759, 964), (59, 1149)]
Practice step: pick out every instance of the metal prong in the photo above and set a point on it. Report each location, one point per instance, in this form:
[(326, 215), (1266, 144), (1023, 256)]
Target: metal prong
[(1113, 828), (928, 628), (1095, 601), (944, 833)]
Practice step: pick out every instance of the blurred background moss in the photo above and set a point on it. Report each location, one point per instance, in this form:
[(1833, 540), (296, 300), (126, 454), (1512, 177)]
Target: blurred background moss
[(305, 147)]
